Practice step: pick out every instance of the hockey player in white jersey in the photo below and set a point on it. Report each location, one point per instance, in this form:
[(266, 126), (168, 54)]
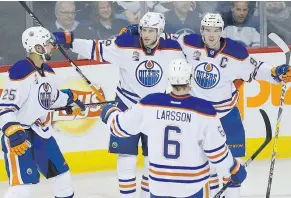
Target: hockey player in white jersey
[(184, 135), (218, 63), (25, 120), (143, 61)]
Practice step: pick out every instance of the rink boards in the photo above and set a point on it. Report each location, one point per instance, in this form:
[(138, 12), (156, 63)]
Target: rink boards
[(84, 140)]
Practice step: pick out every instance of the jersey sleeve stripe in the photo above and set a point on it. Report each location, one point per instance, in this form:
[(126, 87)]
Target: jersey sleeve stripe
[(6, 111), (218, 161), (119, 127), (9, 105), (216, 149), (116, 130), (93, 50), (109, 112), (217, 155)]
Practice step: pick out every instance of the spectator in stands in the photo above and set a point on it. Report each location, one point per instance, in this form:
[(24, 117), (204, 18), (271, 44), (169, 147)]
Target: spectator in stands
[(131, 11), (106, 25), (278, 19), (181, 20), (204, 7), (241, 26), (65, 12)]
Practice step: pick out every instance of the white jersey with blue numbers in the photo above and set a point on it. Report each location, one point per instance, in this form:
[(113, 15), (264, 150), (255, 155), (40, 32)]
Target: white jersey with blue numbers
[(28, 97), (141, 73), (215, 72), (184, 136)]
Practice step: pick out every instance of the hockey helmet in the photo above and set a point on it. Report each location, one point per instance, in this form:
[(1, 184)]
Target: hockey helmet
[(35, 36), (212, 20), (153, 20), (180, 72)]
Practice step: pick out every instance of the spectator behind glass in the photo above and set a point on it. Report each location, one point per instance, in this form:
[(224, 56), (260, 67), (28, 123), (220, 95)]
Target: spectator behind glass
[(106, 25), (278, 20), (241, 26), (131, 11), (181, 20), (65, 12)]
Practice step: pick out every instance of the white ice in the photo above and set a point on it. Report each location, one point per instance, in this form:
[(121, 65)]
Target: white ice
[(104, 184)]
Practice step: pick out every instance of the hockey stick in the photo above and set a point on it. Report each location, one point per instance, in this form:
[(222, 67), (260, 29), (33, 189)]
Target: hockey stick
[(73, 64), (268, 138), (86, 105), (284, 47)]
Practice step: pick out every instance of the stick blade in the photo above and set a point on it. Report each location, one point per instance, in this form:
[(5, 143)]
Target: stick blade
[(276, 39), (267, 125)]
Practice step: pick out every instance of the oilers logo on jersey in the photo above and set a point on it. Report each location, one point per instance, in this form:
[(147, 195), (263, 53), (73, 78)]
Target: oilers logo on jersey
[(45, 95), (206, 75), (148, 73)]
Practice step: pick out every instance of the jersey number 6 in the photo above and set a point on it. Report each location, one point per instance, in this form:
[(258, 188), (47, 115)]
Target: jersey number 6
[(174, 145)]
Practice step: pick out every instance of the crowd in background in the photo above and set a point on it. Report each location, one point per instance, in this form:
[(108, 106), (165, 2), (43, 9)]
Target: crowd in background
[(104, 19)]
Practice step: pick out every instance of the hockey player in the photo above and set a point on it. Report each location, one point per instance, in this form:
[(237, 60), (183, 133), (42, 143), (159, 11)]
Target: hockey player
[(217, 63), (143, 61), (184, 135), (25, 120)]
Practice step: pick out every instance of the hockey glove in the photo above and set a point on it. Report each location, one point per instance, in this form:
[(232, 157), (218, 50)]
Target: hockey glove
[(78, 107), (282, 72), (17, 137), (130, 29), (238, 173), (63, 38), (106, 112)]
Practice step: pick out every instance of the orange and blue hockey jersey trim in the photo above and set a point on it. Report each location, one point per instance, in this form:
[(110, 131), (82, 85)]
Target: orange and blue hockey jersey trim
[(116, 129), (227, 104), (24, 68), (218, 154), (179, 174), (132, 97), (230, 48), (187, 103)]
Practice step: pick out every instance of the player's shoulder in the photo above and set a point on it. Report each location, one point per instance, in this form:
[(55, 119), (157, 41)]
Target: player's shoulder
[(128, 41), (193, 40), (235, 49), (169, 44), (188, 103), (21, 70), (48, 69)]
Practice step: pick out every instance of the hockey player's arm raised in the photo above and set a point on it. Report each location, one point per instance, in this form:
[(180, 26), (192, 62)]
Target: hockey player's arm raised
[(100, 50), (253, 69), (123, 124), (12, 98), (218, 154)]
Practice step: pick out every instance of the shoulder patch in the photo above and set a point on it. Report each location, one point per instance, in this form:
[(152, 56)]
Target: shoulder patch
[(191, 103), (47, 68), (235, 49), (128, 41), (21, 70), (194, 40), (169, 44)]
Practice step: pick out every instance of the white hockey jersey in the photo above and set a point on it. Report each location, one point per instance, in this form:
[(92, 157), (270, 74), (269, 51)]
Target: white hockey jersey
[(29, 96), (215, 72), (141, 72), (184, 134)]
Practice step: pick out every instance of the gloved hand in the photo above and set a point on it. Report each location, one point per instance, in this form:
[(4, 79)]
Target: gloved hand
[(238, 173), (107, 110), (282, 72), (130, 29), (17, 137), (63, 38), (73, 99)]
